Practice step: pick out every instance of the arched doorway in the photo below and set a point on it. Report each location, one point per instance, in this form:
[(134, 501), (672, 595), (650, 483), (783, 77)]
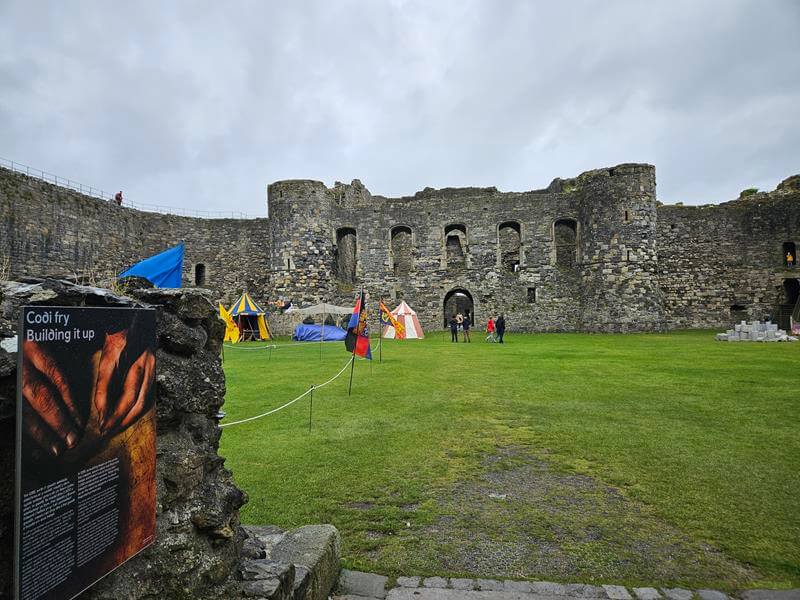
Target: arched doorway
[(458, 301), (791, 291)]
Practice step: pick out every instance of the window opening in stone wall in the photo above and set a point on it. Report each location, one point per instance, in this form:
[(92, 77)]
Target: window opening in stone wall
[(345, 255), (288, 264), (738, 313), (199, 274), (565, 238), (531, 295), (509, 239), (455, 246), (789, 252), (402, 250), (628, 255), (458, 301), (627, 216)]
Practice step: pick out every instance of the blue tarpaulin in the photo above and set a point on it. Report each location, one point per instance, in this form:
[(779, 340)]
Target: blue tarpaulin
[(162, 270), (313, 333)]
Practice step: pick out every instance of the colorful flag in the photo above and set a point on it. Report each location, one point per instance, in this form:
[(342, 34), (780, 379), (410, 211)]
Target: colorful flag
[(357, 340), (388, 320)]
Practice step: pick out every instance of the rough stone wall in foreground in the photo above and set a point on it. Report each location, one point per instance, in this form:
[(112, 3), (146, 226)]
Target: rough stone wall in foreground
[(199, 539)]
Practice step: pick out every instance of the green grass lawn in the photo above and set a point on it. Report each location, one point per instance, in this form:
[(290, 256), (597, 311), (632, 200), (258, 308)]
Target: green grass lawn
[(633, 458)]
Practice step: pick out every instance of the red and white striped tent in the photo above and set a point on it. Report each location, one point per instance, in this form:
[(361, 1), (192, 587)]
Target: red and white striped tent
[(407, 317)]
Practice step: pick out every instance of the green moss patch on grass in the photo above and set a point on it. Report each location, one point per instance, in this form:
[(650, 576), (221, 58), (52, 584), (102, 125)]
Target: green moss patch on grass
[(697, 439), (520, 518)]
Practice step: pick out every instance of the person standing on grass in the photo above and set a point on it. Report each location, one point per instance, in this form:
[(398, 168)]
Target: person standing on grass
[(453, 329), (490, 329), (500, 325), (466, 325)]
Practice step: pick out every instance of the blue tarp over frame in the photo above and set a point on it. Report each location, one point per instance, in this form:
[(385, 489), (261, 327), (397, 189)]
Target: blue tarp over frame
[(162, 270), (313, 333)]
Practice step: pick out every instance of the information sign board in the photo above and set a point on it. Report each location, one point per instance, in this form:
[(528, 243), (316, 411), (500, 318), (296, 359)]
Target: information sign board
[(86, 445)]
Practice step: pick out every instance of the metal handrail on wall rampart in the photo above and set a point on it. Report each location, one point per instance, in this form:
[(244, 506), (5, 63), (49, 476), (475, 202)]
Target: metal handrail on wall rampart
[(102, 195)]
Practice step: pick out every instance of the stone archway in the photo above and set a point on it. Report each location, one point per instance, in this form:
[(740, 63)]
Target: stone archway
[(791, 294), (791, 291), (457, 300)]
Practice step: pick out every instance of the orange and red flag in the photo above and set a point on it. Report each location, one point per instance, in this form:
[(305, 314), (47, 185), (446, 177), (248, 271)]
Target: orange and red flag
[(388, 319)]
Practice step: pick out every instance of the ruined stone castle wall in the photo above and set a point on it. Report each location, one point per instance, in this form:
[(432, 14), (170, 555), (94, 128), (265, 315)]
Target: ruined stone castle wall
[(720, 264), (502, 249), (619, 286), (53, 231), (592, 253)]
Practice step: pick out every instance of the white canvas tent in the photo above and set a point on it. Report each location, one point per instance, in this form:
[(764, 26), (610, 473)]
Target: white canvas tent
[(321, 309), (408, 318), (324, 309)]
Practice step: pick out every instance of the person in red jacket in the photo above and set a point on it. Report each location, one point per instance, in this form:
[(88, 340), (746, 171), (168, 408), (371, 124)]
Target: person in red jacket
[(490, 330)]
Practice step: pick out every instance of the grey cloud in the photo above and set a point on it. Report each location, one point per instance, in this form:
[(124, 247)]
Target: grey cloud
[(202, 104)]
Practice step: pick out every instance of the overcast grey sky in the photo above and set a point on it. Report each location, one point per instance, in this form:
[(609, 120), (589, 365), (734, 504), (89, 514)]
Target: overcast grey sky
[(202, 104)]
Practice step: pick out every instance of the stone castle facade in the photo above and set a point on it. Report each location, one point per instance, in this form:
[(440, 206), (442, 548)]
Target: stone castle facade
[(594, 253)]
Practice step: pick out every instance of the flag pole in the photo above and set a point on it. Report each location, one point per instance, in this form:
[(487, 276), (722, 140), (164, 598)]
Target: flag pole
[(310, 408), (370, 344), (322, 336), (352, 366), (353, 358)]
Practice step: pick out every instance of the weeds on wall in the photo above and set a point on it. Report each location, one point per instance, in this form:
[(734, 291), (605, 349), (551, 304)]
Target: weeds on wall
[(748, 192)]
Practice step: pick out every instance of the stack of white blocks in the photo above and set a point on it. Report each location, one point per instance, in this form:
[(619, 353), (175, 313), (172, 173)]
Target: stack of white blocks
[(755, 332)]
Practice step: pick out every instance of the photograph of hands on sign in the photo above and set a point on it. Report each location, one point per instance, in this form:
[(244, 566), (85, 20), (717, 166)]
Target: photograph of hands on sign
[(88, 417), (57, 421)]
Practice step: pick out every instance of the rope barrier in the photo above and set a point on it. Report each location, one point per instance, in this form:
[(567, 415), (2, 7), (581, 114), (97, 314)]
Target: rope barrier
[(235, 347), (276, 347), (279, 346), (303, 395), (291, 345)]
